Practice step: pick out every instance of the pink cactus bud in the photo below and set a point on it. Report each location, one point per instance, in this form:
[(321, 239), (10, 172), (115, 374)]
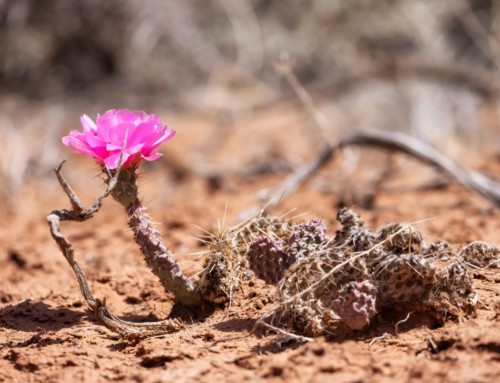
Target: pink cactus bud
[(356, 305), (137, 134)]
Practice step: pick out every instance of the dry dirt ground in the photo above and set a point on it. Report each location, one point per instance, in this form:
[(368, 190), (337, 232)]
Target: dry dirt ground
[(48, 335)]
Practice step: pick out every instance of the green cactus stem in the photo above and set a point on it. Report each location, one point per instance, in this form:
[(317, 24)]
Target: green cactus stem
[(161, 261)]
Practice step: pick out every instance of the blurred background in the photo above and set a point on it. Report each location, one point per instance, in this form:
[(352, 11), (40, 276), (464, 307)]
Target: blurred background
[(426, 67)]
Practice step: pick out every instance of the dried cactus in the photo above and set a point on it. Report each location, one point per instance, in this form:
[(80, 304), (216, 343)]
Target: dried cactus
[(354, 234), (277, 228), (341, 283), (222, 269), (481, 254), (399, 237), (227, 259), (269, 258), (310, 287), (438, 250), (452, 294), (403, 279), (307, 237)]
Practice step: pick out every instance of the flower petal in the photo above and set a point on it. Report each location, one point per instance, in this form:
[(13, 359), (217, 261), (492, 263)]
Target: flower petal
[(125, 115), (88, 125), (111, 161), (152, 157), (118, 136), (76, 141)]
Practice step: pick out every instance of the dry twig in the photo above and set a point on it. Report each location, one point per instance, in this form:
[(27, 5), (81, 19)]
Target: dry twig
[(474, 181), (79, 213)]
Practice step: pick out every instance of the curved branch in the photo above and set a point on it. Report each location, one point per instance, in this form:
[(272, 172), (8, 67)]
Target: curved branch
[(79, 213), (472, 180)]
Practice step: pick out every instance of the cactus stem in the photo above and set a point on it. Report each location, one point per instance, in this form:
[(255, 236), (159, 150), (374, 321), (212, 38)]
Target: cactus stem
[(80, 214), (161, 261)]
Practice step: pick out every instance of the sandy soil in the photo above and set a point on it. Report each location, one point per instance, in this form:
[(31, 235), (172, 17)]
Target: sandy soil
[(48, 335)]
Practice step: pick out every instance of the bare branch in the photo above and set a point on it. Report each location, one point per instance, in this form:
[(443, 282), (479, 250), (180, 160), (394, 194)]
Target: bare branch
[(471, 179), (79, 213)]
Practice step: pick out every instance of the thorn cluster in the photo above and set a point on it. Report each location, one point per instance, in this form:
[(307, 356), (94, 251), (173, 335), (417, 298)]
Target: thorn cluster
[(227, 256)]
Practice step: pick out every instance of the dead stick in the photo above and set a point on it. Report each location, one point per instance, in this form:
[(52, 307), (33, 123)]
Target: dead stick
[(79, 214), (471, 179)]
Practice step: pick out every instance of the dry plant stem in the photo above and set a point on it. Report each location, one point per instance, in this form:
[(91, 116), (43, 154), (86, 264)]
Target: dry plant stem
[(285, 67), (81, 214), (477, 31), (284, 333), (472, 180), (477, 80)]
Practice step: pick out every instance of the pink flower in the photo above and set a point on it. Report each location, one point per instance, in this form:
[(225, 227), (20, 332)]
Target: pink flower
[(137, 134)]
